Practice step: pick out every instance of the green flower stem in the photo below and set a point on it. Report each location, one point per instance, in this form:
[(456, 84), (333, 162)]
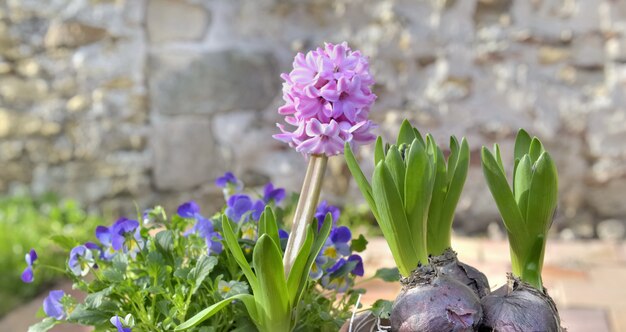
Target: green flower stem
[(305, 210)]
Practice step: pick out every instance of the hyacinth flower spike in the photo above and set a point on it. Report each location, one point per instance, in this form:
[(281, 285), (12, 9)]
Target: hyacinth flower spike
[(327, 99)]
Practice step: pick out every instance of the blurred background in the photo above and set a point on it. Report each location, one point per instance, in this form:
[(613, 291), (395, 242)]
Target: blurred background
[(110, 102)]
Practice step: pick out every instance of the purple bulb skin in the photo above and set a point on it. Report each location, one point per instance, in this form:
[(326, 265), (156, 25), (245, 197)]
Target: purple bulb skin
[(447, 264), (518, 306), (431, 302)]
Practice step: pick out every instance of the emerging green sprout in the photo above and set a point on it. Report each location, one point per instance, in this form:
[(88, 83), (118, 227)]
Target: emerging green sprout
[(414, 193), (527, 208)]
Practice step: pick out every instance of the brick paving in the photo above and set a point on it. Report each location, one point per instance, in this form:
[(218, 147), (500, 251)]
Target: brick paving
[(585, 278)]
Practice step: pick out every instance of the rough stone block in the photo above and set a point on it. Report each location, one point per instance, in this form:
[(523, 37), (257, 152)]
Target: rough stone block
[(185, 155), (72, 34), (213, 82), (171, 20)]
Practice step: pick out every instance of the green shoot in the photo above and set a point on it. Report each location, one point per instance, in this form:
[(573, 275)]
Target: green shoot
[(527, 206), (413, 193)]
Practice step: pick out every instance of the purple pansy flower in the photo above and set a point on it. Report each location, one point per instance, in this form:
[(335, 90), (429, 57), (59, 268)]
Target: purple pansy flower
[(324, 208), (203, 227), (103, 234), (317, 269), (337, 244), (327, 99), (117, 321), (227, 179), (125, 235), (28, 275), (257, 209), (189, 210), (342, 282), (282, 234), (239, 207), (229, 184), (81, 260), (52, 305), (273, 194)]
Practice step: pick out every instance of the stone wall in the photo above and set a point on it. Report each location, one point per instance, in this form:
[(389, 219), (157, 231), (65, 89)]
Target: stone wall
[(111, 101)]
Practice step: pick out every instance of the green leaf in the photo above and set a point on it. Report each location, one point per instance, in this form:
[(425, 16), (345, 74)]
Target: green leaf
[(453, 158), (418, 183), (359, 177), (82, 315), (64, 242), (498, 155), (272, 297), (438, 195), (397, 168), (379, 150), (521, 183), (542, 195), (455, 187), (522, 144), (388, 274), (300, 270), (233, 246), (406, 134), (45, 325), (205, 314), (536, 148), (318, 243), (501, 192), (418, 135), (267, 225), (113, 275), (393, 221), (382, 308), (359, 244), (201, 271), (165, 241), (95, 300)]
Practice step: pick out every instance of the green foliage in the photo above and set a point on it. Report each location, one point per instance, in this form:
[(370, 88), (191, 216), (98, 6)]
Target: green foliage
[(174, 281), (27, 222), (413, 193), (528, 206)]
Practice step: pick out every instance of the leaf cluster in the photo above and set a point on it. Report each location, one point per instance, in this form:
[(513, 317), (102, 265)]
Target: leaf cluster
[(414, 193), (527, 206)]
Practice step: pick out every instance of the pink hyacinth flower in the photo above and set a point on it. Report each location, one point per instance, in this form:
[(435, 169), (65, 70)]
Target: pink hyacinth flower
[(327, 98)]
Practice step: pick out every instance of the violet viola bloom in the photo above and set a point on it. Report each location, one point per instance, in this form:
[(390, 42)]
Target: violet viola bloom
[(81, 260), (203, 227), (273, 194), (337, 244), (52, 305), (28, 275), (117, 321), (126, 236), (229, 184), (327, 99), (342, 281), (103, 234), (240, 207), (189, 210), (324, 208)]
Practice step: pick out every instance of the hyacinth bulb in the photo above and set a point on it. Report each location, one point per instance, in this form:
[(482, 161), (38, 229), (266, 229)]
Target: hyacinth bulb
[(327, 101), (519, 306), (433, 302)]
